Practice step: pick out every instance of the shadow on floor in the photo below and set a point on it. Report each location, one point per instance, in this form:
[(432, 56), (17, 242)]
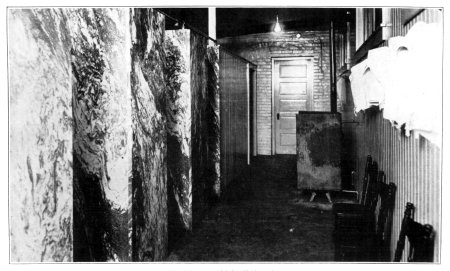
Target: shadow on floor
[(269, 220)]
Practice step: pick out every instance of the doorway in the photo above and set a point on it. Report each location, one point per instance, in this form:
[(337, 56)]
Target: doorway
[(292, 87)]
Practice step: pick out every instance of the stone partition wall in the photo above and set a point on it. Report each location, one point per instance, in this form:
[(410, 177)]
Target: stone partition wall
[(87, 96), (102, 135), (90, 96), (193, 129), (179, 148), (213, 117), (149, 180), (201, 188), (40, 165)]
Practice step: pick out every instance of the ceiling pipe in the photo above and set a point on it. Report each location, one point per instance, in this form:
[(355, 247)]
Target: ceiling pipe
[(333, 94), (192, 28)]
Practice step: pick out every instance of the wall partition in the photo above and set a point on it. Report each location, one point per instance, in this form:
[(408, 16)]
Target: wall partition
[(234, 115)]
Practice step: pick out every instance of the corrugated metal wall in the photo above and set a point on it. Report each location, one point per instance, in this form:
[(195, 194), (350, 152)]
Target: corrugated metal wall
[(430, 15), (234, 116), (413, 164)]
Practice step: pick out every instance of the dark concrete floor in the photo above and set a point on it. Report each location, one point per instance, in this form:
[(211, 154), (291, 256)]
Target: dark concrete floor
[(266, 219)]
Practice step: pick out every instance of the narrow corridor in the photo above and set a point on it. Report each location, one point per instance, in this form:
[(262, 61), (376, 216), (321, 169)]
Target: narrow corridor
[(131, 131), (264, 220)]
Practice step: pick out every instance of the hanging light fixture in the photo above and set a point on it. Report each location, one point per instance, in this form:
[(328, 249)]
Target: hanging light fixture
[(277, 27)]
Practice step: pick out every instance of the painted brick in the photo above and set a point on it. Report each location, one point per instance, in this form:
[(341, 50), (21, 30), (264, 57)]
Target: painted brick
[(260, 49)]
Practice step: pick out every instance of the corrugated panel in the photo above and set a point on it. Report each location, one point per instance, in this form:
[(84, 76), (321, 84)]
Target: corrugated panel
[(234, 102), (429, 15), (413, 164)]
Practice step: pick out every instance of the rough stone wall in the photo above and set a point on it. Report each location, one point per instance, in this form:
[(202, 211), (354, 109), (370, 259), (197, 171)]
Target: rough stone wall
[(102, 136), (40, 136), (201, 190), (89, 96), (213, 117), (260, 49), (149, 181), (192, 80), (179, 160)]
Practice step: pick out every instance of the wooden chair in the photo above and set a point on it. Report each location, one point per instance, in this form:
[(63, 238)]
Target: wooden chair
[(358, 236), (355, 222), (420, 237), (362, 199), (343, 207), (383, 229)]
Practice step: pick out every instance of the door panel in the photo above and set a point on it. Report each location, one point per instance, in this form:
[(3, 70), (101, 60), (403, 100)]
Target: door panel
[(292, 88), (292, 82), (291, 105), (287, 139), (290, 70), (288, 123)]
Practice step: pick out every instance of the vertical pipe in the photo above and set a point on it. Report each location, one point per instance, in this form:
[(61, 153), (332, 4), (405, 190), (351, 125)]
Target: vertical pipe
[(333, 96), (212, 24), (347, 45), (248, 112), (386, 23), (359, 24)]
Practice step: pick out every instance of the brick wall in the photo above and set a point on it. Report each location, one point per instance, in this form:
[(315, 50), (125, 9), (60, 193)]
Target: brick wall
[(260, 49)]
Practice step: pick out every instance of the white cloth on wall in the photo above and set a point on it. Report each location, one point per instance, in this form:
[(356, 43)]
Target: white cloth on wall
[(398, 84), (341, 88), (358, 87), (379, 61), (417, 86), (366, 88), (405, 78)]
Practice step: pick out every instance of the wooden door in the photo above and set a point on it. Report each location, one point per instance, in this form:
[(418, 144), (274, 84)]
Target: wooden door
[(292, 89)]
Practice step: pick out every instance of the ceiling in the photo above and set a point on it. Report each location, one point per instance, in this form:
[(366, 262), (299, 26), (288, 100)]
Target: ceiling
[(242, 21)]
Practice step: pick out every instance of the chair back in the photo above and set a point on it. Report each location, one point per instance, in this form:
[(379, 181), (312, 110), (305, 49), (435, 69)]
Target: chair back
[(362, 199), (371, 198), (421, 238), (385, 218)]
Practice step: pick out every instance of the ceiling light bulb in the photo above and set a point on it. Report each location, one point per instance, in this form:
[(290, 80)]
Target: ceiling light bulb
[(277, 26)]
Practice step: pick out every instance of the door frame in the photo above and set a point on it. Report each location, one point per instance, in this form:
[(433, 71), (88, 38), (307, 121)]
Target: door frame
[(252, 111), (273, 92), (247, 75)]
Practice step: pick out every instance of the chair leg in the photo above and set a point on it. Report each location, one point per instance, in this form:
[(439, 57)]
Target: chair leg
[(328, 197), (313, 196)]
